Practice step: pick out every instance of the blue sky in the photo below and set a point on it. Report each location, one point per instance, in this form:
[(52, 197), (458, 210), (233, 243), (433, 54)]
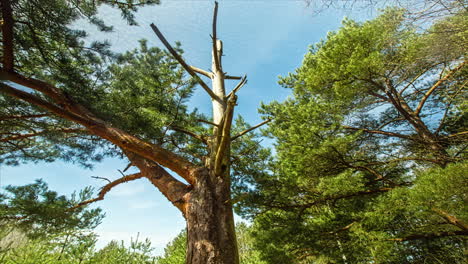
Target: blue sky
[(263, 39)]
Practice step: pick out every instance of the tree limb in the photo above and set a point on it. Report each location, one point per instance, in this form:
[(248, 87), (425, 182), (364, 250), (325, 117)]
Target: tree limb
[(437, 84), (386, 133), (225, 134), (451, 219), (174, 190), (242, 82), (250, 129), (107, 188), (215, 49), (178, 129), (429, 236), (202, 72), (184, 64), (23, 136), (229, 77)]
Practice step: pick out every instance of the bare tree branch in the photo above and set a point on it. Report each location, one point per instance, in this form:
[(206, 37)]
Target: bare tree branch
[(225, 134), (242, 82), (101, 178), (215, 49), (202, 72), (250, 129), (107, 188), (207, 122), (229, 77), (184, 64)]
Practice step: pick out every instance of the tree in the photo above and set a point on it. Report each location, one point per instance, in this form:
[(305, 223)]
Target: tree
[(370, 148), (64, 99), (175, 251)]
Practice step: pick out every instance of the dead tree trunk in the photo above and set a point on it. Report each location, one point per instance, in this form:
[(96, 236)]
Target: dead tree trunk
[(208, 211)]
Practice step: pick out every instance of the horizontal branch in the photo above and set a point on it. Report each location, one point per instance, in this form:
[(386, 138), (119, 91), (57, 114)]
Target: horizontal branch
[(184, 64), (107, 188), (225, 134), (207, 122), (429, 236), (386, 133), (202, 72), (250, 129), (229, 77), (437, 84)]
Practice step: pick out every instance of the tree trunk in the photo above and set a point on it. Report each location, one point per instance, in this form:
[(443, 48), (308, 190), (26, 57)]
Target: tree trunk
[(210, 223)]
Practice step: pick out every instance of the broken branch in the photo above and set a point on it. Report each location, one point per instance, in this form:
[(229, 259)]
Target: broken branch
[(215, 50), (250, 129), (202, 72), (184, 64), (238, 86)]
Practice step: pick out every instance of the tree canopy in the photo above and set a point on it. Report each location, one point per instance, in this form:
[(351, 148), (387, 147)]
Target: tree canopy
[(370, 148)]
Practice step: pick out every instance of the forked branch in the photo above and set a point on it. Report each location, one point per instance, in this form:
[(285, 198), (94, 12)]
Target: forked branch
[(107, 188), (184, 64), (242, 82)]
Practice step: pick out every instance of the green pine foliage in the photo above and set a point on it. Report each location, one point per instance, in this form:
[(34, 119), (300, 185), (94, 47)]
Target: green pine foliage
[(363, 173)]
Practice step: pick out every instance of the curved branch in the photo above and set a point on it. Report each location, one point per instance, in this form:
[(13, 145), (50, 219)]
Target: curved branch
[(107, 188)]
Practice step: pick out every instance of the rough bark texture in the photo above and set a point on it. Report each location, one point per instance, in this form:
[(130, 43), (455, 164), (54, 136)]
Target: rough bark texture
[(210, 222)]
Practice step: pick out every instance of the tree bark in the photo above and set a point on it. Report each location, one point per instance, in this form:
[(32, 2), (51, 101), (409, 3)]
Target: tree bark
[(210, 223)]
